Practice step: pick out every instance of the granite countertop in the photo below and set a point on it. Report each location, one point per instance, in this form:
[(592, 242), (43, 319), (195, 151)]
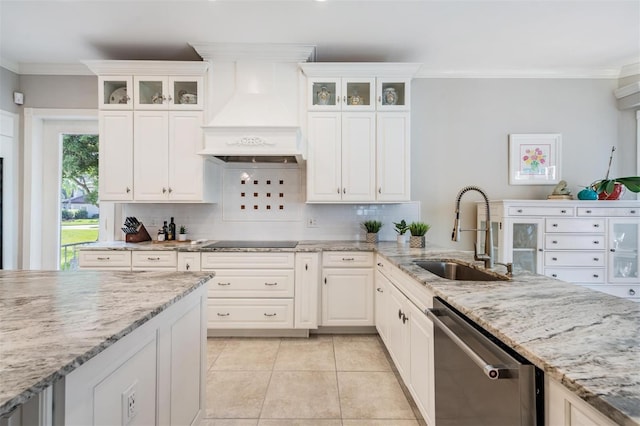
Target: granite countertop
[(52, 322), (587, 340)]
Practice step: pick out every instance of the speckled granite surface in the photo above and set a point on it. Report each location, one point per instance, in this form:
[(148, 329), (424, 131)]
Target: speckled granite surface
[(52, 322), (587, 340)]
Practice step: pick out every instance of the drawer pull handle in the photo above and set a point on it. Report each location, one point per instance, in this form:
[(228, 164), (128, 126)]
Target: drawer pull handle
[(554, 242), (381, 264), (632, 292), (104, 258), (269, 315), (555, 225), (271, 283), (595, 275), (632, 212), (224, 283), (379, 290), (596, 225), (187, 266), (588, 211), (519, 210), (612, 250), (306, 266), (153, 258), (563, 211), (595, 259), (348, 259), (400, 314), (596, 242), (554, 275), (223, 315), (554, 258)]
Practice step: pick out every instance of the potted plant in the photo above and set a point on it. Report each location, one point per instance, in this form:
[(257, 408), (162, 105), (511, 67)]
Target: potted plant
[(417, 230), (372, 227), (611, 189), (401, 229), (182, 233)]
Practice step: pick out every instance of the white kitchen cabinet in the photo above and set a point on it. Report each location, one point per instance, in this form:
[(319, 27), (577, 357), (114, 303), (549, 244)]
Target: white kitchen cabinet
[(154, 260), (341, 162), (591, 243), (166, 164), (565, 408), (116, 155), (409, 333), (111, 260), (307, 287), (250, 290), (347, 289), (188, 261), (149, 142), (393, 157), (168, 92), (358, 131)]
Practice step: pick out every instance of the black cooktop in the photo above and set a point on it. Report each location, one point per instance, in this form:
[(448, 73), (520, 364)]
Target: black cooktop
[(252, 244)]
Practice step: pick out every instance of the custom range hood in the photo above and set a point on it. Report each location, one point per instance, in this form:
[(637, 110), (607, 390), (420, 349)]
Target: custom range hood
[(254, 101)]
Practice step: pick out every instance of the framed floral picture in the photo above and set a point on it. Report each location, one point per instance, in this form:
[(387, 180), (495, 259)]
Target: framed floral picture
[(534, 159)]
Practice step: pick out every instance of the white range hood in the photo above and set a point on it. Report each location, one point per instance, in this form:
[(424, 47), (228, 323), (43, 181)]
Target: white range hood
[(254, 101)]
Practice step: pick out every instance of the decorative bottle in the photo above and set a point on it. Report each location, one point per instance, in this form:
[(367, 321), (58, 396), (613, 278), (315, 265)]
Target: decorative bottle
[(165, 231), (172, 230)]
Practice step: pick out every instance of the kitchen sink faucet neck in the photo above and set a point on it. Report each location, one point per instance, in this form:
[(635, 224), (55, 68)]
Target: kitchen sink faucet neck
[(486, 257)]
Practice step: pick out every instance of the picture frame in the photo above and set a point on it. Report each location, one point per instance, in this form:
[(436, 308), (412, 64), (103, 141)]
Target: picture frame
[(534, 158)]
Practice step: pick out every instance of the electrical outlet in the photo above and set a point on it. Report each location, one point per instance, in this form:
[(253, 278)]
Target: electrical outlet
[(312, 222), (129, 409)]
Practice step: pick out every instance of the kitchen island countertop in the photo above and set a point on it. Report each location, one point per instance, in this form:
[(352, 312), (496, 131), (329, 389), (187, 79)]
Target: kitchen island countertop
[(52, 322)]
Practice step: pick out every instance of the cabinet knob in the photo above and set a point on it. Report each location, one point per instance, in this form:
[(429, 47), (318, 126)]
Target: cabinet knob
[(612, 250), (632, 212), (632, 292), (596, 242), (554, 275), (400, 314), (563, 211), (554, 258), (164, 190), (380, 190), (187, 267), (588, 211), (344, 99), (595, 275), (128, 190), (169, 98), (404, 318), (540, 249), (325, 280), (555, 225), (170, 190), (306, 266), (380, 264), (338, 190), (596, 225), (519, 210), (344, 190), (595, 259), (554, 242), (379, 290)]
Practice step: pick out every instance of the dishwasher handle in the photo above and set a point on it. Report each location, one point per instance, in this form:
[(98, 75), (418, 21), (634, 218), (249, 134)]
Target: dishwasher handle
[(493, 372)]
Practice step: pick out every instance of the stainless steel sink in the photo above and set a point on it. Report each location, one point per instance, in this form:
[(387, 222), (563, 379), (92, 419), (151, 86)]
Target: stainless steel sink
[(457, 271)]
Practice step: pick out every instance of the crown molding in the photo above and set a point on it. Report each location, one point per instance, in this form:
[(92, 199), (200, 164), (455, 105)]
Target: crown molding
[(232, 52), (630, 70), (533, 73), (100, 67), (9, 65), (627, 90), (359, 69)]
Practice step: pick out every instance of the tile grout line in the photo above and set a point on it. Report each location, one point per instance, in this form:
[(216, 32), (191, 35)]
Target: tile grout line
[(264, 399)]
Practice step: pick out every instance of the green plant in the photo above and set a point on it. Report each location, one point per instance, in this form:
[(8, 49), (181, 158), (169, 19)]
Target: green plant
[(183, 229), (401, 227), (607, 185), (418, 229), (372, 226)]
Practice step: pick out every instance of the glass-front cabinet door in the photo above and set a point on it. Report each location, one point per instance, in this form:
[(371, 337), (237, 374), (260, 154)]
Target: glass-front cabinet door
[(186, 92), (115, 92), (624, 248), (324, 94), (358, 94), (393, 95), (525, 242), (151, 92)]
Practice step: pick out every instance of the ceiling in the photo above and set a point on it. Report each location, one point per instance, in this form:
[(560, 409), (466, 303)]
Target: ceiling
[(508, 38)]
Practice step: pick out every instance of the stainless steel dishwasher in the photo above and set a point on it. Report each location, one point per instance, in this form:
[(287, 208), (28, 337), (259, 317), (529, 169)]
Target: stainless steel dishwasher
[(478, 380)]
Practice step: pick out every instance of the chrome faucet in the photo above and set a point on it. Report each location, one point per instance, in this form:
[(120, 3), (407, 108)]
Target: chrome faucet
[(486, 257)]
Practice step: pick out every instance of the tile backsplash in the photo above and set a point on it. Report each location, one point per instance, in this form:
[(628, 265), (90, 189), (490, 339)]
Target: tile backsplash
[(262, 190)]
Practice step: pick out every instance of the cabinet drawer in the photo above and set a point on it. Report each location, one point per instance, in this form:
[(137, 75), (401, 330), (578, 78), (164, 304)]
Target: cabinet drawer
[(574, 242), (252, 283), (346, 259), (154, 259), (574, 258), (609, 211), (631, 291), (188, 261), (577, 275), (250, 313), (247, 260), (105, 259), (575, 225), (540, 211)]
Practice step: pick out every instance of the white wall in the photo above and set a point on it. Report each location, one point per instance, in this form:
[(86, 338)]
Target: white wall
[(460, 131)]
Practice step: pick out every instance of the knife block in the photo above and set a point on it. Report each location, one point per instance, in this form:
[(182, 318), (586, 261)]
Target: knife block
[(140, 236)]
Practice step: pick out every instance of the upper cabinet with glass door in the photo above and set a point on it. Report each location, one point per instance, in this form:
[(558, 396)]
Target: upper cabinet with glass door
[(174, 93), (346, 94), (115, 92), (393, 94)]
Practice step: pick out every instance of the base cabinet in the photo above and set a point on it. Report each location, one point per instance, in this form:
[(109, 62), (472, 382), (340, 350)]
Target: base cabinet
[(154, 375), (564, 408), (408, 333), (347, 289)]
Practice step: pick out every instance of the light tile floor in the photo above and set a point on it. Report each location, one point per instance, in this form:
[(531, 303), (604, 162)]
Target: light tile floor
[(325, 380)]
